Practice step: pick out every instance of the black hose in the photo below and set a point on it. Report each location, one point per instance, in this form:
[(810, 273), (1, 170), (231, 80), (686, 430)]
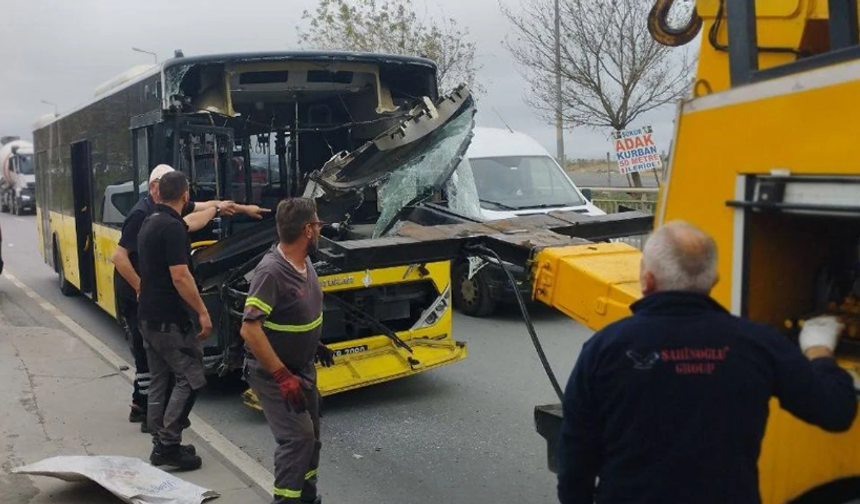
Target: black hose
[(484, 251), (715, 28)]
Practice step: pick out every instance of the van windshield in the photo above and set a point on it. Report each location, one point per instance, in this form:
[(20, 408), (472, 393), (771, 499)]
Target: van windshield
[(522, 182)]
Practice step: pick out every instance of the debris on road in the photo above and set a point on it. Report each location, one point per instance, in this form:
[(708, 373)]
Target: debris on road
[(130, 479)]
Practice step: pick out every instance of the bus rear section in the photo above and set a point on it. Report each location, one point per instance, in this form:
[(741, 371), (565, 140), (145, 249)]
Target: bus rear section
[(350, 130)]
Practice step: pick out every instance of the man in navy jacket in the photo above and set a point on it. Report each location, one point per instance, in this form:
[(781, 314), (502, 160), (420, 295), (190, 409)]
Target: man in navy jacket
[(670, 405)]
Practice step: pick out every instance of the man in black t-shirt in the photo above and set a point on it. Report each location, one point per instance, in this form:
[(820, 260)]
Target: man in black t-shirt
[(127, 278), (173, 347)]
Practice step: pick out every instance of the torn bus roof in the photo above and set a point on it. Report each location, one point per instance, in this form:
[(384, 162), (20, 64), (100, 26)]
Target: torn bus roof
[(400, 145)]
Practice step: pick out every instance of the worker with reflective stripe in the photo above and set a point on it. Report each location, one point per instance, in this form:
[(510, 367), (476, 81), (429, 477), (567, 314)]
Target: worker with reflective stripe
[(282, 327)]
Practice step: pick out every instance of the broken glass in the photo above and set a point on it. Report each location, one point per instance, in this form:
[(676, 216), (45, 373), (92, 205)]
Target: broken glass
[(427, 170), (173, 79), (463, 192)]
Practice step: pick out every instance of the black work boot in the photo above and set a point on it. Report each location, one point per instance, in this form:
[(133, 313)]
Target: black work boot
[(175, 456), (188, 448), (316, 500), (137, 414)]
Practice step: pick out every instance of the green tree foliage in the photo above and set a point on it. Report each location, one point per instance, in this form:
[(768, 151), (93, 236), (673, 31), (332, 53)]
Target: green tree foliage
[(393, 27)]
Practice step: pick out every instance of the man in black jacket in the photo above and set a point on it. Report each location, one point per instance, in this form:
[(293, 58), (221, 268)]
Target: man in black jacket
[(670, 405)]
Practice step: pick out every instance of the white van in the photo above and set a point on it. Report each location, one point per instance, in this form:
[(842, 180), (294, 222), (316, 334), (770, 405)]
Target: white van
[(516, 176)]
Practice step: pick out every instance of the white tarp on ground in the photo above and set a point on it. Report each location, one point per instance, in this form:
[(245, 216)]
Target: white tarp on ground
[(130, 479)]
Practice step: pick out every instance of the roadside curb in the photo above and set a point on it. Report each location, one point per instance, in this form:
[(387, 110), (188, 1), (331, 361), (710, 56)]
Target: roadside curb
[(237, 461)]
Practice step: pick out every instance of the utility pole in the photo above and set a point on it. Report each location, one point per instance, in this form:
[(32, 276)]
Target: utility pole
[(608, 171), (559, 123)]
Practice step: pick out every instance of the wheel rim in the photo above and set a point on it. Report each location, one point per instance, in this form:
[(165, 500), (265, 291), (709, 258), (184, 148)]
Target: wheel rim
[(470, 291)]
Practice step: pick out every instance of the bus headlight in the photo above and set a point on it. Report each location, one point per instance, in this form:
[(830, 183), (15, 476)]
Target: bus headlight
[(435, 312)]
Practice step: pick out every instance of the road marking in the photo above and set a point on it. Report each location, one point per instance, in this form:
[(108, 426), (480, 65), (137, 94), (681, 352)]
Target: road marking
[(228, 452)]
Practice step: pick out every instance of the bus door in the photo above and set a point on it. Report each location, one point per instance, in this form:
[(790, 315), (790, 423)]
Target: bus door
[(83, 206), (204, 154)]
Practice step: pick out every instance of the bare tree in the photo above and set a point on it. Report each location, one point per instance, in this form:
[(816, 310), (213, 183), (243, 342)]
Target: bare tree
[(612, 71), (393, 27)]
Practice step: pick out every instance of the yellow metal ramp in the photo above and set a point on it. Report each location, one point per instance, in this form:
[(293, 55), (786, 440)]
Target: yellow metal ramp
[(594, 284)]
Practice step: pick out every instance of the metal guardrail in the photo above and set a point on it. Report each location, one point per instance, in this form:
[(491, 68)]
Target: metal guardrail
[(642, 199), (611, 205)]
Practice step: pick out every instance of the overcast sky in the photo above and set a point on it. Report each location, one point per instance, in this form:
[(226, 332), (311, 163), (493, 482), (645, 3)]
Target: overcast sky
[(60, 50)]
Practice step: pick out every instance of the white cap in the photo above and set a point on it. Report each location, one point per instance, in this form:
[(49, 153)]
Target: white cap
[(159, 171)]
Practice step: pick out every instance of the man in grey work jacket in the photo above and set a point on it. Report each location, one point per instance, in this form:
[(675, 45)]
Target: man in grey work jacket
[(282, 327)]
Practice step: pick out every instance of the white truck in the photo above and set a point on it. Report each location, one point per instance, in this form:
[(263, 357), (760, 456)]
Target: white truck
[(18, 181)]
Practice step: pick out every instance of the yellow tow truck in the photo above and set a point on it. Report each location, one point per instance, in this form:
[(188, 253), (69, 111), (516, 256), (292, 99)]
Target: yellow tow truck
[(764, 159)]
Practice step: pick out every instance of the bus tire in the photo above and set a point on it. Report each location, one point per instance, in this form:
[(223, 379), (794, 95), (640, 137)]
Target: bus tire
[(471, 296), (66, 288)]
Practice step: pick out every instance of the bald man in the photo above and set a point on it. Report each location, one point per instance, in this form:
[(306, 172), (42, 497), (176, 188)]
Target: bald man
[(670, 405)]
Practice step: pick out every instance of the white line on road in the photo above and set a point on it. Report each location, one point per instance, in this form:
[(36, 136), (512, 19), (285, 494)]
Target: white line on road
[(229, 452)]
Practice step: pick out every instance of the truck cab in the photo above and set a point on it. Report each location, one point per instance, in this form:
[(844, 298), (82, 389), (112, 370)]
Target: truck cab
[(18, 181)]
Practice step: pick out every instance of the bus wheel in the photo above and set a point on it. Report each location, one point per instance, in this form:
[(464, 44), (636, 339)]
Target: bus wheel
[(65, 286), (471, 295)]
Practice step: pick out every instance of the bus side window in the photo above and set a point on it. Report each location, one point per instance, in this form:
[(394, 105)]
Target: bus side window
[(114, 182), (142, 139)]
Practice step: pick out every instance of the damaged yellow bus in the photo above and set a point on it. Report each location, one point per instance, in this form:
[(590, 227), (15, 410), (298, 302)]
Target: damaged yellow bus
[(367, 135)]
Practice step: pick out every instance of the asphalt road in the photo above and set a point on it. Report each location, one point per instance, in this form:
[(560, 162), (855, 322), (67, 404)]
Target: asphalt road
[(462, 433)]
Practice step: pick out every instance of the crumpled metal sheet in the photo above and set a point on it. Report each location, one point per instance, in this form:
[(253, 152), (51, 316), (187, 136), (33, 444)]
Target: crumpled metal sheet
[(427, 168), (130, 479)]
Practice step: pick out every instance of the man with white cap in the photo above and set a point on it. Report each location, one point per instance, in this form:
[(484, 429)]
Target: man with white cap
[(127, 280)]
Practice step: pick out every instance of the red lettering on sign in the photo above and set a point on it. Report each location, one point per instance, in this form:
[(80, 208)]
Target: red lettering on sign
[(629, 143), (619, 146), (648, 140)]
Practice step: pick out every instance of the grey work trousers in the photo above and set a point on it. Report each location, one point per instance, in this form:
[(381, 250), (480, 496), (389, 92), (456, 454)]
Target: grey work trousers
[(169, 350), (297, 455)]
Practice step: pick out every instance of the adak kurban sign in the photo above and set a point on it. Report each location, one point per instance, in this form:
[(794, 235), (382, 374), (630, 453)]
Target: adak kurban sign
[(636, 151)]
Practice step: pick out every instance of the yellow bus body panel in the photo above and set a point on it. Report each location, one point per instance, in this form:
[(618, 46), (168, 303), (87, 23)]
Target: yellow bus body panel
[(106, 239)]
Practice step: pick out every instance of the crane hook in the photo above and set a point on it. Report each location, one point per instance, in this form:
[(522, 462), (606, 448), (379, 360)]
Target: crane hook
[(658, 25)]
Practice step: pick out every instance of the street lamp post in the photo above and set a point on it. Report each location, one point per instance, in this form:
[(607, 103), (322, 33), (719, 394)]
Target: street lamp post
[(154, 55), (46, 102)]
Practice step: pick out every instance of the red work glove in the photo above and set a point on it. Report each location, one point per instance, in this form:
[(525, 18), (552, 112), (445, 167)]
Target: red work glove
[(291, 389)]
